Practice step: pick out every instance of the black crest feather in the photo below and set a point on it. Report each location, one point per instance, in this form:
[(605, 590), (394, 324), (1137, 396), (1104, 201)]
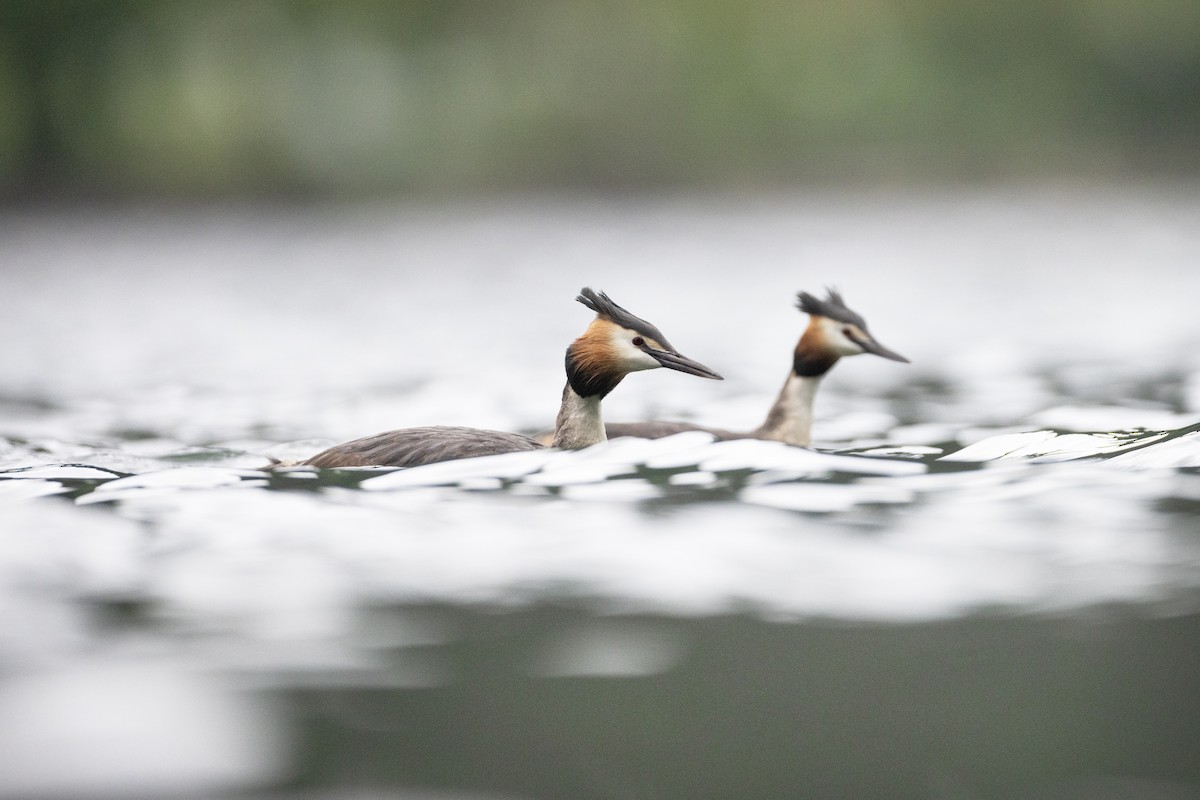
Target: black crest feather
[(603, 305), (833, 307)]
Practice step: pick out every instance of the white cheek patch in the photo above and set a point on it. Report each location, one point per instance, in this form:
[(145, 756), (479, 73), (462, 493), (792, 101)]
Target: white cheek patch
[(632, 358), (837, 341)]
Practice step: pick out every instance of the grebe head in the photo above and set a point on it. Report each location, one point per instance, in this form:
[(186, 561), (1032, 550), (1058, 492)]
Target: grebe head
[(617, 343), (833, 331)]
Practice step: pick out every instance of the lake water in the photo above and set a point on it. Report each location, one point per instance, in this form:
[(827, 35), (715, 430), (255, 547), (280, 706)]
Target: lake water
[(984, 582)]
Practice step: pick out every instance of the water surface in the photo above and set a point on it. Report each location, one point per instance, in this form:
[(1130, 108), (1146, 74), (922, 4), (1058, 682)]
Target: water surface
[(984, 582)]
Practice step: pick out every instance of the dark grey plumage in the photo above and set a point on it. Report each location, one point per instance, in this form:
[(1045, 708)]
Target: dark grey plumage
[(411, 447), (603, 305), (833, 307)]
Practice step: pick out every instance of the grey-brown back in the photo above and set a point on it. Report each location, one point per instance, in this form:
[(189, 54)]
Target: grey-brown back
[(412, 447)]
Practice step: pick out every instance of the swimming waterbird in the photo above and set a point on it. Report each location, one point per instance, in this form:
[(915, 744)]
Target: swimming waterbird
[(615, 344), (833, 331)]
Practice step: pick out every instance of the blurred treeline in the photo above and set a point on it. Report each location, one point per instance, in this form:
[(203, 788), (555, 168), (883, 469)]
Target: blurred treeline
[(283, 97)]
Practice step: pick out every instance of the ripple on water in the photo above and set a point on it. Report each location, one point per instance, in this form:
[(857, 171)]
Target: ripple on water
[(1048, 446), (169, 481), (1012, 533), (1129, 449), (823, 497), (29, 488), (62, 472)]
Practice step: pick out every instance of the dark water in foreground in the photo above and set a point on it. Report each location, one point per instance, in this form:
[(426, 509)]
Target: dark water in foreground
[(984, 583), (983, 707)]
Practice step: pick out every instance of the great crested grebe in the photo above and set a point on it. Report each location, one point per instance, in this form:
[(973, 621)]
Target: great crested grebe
[(833, 331), (614, 345)]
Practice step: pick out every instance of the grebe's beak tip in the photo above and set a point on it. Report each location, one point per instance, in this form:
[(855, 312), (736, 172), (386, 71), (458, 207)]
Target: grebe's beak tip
[(875, 348), (682, 363)]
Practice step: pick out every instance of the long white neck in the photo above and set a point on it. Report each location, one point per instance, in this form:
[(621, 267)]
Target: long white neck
[(790, 419), (578, 424)]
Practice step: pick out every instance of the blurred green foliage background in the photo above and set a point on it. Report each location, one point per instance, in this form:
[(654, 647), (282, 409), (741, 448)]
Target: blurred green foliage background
[(291, 98)]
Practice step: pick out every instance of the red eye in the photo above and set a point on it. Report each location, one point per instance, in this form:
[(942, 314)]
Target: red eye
[(847, 333), (638, 341)]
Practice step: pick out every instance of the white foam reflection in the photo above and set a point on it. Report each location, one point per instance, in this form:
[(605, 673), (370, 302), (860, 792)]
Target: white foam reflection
[(293, 566), (822, 497), (1165, 450), (13, 490), (1085, 419), (1183, 451), (132, 728), (1047, 446)]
